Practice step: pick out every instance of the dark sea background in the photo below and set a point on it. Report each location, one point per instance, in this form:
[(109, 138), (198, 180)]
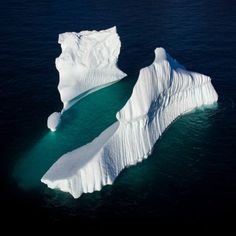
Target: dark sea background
[(190, 178)]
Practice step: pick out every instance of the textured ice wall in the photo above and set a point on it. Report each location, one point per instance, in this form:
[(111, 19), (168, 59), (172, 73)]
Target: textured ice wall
[(88, 62), (164, 91)]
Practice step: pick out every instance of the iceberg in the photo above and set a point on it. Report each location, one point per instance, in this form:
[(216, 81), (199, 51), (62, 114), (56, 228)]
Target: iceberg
[(164, 91), (88, 62)]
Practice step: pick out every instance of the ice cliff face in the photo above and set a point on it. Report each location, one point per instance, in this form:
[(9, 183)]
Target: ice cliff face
[(164, 91), (87, 63)]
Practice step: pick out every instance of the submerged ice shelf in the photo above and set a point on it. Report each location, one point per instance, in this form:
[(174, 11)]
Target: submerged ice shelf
[(164, 91), (88, 62)]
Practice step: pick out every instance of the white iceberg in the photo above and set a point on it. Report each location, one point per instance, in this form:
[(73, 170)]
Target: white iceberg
[(88, 62), (164, 91)]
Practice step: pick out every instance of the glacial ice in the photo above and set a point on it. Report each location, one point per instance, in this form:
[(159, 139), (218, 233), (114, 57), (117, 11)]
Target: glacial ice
[(53, 121), (164, 91), (88, 62)]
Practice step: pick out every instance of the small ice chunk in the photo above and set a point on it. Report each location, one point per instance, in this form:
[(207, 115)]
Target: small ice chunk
[(54, 120)]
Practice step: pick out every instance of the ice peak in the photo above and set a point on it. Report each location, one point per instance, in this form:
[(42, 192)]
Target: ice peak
[(112, 29), (160, 54)]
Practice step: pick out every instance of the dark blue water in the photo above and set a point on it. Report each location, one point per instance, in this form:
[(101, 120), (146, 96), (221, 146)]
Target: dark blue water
[(189, 180)]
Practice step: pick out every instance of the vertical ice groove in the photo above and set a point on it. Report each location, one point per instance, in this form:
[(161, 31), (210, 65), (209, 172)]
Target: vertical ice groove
[(164, 91)]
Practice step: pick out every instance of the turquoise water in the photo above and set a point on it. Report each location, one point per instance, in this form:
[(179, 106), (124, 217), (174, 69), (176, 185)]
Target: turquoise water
[(89, 117), (190, 177), (80, 124)]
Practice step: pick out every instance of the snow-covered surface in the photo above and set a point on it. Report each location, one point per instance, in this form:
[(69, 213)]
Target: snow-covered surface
[(88, 62), (164, 91)]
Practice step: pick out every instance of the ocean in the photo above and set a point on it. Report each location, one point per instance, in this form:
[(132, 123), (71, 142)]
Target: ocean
[(188, 180)]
